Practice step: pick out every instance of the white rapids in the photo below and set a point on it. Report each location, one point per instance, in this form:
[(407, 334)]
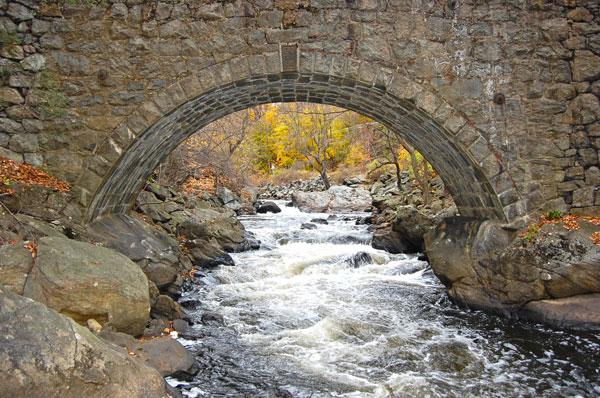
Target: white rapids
[(320, 313)]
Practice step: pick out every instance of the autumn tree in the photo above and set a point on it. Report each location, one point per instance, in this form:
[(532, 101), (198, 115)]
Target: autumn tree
[(391, 149), (317, 133), (212, 148)]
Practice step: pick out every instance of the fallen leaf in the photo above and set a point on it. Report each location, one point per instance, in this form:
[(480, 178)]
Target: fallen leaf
[(18, 173)]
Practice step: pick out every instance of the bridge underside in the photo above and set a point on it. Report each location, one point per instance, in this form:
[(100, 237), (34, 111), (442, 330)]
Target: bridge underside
[(471, 189)]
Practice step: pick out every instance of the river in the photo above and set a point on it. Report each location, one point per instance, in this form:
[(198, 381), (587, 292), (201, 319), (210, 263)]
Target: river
[(319, 313)]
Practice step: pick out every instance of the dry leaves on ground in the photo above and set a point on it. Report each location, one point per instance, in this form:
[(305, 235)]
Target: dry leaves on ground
[(14, 172), (570, 224)]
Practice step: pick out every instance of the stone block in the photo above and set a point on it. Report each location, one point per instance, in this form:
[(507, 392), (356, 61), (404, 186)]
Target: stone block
[(72, 64), (585, 109), (338, 66), (560, 91), (272, 63), (121, 31), (10, 126), (580, 14), (150, 112), (479, 149), (7, 153), (287, 35), (584, 197), (586, 66), (555, 29), (487, 50), (592, 176), (136, 123), (118, 11), (191, 86), (24, 143), (375, 49), (20, 12), (11, 95), (322, 63), (467, 136), (455, 123), (39, 27), (89, 181), (222, 74), (589, 156), (270, 19), (438, 29), (368, 73), (209, 12), (174, 30), (34, 159), (428, 102)]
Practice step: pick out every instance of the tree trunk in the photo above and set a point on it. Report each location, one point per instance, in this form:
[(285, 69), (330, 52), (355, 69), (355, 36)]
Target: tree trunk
[(420, 174), (324, 177)]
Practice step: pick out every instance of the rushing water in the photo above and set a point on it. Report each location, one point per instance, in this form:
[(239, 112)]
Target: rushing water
[(319, 313)]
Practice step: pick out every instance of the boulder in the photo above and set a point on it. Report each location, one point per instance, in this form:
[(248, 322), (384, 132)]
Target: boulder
[(307, 225), (226, 196), (166, 355), (15, 264), (488, 265), (70, 362), (167, 309), (152, 207), (390, 241), (412, 225), (85, 281), (268, 207), (170, 358), (154, 251), (222, 228), (335, 199), (206, 254)]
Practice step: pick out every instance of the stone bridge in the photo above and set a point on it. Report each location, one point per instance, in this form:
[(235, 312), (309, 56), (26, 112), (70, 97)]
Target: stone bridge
[(501, 96)]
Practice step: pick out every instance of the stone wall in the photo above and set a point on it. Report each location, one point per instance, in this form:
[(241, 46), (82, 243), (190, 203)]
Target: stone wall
[(501, 96)]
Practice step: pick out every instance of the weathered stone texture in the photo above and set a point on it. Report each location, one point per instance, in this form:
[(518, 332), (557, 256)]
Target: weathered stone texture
[(118, 61)]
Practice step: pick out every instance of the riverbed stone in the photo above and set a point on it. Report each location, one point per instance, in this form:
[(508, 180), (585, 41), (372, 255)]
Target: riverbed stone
[(338, 198), (576, 312), (165, 354), (35, 363), (268, 207), (86, 281)]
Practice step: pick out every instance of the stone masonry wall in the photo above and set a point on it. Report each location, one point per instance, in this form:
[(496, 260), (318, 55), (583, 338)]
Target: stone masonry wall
[(509, 89)]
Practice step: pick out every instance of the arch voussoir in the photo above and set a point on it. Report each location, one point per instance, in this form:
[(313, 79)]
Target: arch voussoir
[(457, 150)]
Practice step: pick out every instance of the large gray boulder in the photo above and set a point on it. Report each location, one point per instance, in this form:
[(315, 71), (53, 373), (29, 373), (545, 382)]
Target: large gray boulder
[(85, 281), (154, 251), (222, 229), (46, 354), (549, 275), (336, 199)]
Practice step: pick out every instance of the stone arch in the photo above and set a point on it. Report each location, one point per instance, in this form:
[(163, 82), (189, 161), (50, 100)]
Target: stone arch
[(465, 160)]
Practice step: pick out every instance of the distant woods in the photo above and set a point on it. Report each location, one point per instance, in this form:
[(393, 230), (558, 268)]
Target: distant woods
[(284, 142)]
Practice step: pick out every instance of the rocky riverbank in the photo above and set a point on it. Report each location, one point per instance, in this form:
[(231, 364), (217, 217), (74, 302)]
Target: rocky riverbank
[(101, 285), (401, 218), (540, 270)]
